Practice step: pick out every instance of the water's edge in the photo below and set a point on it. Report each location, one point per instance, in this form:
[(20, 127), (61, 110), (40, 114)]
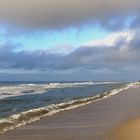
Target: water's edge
[(29, 116)]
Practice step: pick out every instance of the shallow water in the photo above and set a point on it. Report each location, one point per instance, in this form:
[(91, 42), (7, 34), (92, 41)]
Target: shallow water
[(21, 103)]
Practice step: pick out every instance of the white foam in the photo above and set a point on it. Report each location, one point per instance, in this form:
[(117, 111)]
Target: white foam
[(17, 90), (23, 89)]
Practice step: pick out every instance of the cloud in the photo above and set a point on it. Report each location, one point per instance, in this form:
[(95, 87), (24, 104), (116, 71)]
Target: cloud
[(121, 54), (58, 14), (112, 39)]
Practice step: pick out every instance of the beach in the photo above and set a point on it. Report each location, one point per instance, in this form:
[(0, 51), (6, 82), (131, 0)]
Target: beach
[(127, 131), (95, 121)]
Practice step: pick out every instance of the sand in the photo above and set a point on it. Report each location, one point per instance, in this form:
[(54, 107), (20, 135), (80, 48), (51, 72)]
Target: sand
[(129, 130), (90, 122)]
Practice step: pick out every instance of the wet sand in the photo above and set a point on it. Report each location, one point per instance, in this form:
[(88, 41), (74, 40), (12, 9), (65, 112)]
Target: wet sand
[(90, 122)]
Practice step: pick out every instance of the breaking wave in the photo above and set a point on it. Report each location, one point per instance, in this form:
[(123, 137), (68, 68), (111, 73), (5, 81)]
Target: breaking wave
[(23, 89)]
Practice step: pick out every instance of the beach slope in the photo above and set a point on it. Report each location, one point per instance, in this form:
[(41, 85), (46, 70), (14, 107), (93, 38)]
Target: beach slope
[(90, 122)]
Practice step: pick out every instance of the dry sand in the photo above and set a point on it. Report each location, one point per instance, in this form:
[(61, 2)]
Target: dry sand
[(90, 122), (129, 130)]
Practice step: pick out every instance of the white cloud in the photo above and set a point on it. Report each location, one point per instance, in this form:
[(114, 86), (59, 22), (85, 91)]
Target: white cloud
[(111, 39), (62, 49)]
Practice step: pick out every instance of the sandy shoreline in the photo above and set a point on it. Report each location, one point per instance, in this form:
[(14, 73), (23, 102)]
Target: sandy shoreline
[(93, 121)]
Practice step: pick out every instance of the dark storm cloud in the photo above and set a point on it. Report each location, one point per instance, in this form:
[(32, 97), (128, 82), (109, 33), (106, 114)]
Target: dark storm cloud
[(57, 14), (123, 54), (26, 60)]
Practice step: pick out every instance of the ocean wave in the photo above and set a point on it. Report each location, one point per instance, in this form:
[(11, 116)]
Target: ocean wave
[(29, 116), (23, 89)]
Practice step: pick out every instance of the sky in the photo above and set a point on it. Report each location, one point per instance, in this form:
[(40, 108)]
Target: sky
[(68, 40)]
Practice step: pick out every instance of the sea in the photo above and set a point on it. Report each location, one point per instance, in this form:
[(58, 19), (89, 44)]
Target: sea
[(25, 102)]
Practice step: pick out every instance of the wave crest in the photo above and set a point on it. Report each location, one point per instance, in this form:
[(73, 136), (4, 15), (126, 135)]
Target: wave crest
[(23, 89)]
